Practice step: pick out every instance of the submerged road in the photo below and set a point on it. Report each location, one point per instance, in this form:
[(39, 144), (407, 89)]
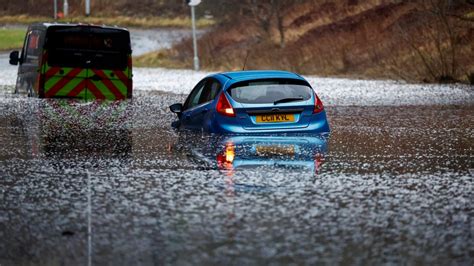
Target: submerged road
[(113, 184)]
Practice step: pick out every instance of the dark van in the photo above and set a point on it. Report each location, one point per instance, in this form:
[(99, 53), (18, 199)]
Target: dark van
[(75, 61)]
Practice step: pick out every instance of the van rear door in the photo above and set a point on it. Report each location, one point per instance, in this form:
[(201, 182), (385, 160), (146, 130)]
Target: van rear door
[(88, 62)]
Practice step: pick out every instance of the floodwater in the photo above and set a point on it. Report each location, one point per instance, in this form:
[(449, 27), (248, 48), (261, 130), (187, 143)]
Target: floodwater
[(148, 40), (113, 184)]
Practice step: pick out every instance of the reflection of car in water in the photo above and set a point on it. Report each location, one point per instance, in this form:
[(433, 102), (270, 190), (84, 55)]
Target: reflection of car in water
[(70, 129), (74, 61), (233, 154), (257, 163), (296, 154)]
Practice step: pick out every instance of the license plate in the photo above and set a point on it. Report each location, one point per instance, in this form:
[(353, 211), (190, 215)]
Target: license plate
[(275, 150), (275, 118)]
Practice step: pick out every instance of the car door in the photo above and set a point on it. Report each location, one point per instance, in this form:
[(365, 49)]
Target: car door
[(109, 67), (29, 64), (88, 62), (65, 72), (190, 105), (198, 105)]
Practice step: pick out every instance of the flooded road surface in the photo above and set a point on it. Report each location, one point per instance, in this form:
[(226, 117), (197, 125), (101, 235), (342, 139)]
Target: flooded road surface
[(149, 40), (113, 184)]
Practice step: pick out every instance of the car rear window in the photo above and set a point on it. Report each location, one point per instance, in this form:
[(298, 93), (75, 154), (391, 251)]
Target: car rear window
[(270, 91), (88, 47)]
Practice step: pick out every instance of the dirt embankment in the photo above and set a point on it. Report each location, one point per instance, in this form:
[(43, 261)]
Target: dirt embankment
[(428, 41)]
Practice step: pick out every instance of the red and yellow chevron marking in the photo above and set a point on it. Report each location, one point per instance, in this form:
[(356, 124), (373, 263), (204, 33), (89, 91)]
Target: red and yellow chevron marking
[(85, 83), (61, 83), (110, 85)]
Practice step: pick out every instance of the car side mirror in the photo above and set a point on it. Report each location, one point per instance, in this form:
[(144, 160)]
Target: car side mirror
[(176, 108), (14, 58)]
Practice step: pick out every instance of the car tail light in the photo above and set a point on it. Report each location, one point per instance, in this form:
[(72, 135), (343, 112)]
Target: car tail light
[(318, 105), (226, 158), (224, 107)]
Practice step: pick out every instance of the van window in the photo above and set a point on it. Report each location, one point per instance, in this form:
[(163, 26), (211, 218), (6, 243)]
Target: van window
[(88, 47), (32, 47)]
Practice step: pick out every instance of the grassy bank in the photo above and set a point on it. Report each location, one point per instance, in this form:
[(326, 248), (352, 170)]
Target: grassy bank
[(11, 39), (403, 40), (140, 22), (161, 58)]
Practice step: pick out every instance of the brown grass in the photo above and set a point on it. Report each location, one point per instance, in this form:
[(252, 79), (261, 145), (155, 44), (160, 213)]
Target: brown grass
[(373, 39), (160, 58), (143, 22)]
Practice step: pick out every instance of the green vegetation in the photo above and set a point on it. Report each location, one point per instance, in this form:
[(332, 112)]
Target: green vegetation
[(123, 21), (11, 39)]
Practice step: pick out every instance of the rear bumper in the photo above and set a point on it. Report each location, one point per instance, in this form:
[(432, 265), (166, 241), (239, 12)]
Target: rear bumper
[(319, 124)]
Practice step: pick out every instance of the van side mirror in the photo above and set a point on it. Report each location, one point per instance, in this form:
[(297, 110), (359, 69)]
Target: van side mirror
[(176, 108), (14, 58)]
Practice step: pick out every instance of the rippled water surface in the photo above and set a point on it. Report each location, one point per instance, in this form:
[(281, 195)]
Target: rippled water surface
[(113, 184)]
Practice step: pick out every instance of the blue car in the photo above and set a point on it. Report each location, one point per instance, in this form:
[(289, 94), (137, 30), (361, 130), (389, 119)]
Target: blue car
[(252, 102)]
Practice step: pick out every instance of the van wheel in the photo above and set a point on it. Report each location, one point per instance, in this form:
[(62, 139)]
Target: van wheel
[(31, 92)]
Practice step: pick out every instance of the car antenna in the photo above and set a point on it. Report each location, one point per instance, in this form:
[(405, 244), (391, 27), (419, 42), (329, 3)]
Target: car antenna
[(245, 62)]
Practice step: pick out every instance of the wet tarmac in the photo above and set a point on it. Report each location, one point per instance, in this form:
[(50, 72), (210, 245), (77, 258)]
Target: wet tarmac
[(113, 184), (149, 40)]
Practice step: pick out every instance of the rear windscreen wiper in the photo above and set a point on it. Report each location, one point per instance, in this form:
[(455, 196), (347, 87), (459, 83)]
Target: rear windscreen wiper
[(287, 100)]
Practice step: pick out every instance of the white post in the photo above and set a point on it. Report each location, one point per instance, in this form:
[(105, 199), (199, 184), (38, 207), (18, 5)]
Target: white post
[(55, 9), (65, 8), (88, 8), (89, 220), (196, 58)]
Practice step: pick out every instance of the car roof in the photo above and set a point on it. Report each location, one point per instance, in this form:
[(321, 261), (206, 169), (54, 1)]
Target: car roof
[(231, 78), (260, 74), (48, 25)]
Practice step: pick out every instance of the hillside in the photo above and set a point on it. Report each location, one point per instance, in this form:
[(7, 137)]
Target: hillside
[(106, 8), (430, 41)]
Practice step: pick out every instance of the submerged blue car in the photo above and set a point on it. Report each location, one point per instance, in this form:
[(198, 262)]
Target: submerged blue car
[(252, 102)]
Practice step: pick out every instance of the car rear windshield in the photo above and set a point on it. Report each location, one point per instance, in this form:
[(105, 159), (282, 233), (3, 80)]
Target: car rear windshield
[(88, 47), (271, 91)]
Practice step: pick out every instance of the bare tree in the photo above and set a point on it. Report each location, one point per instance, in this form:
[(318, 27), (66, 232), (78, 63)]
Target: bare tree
[(438, 49), (269, 16), (262, 14), (279, 7)]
